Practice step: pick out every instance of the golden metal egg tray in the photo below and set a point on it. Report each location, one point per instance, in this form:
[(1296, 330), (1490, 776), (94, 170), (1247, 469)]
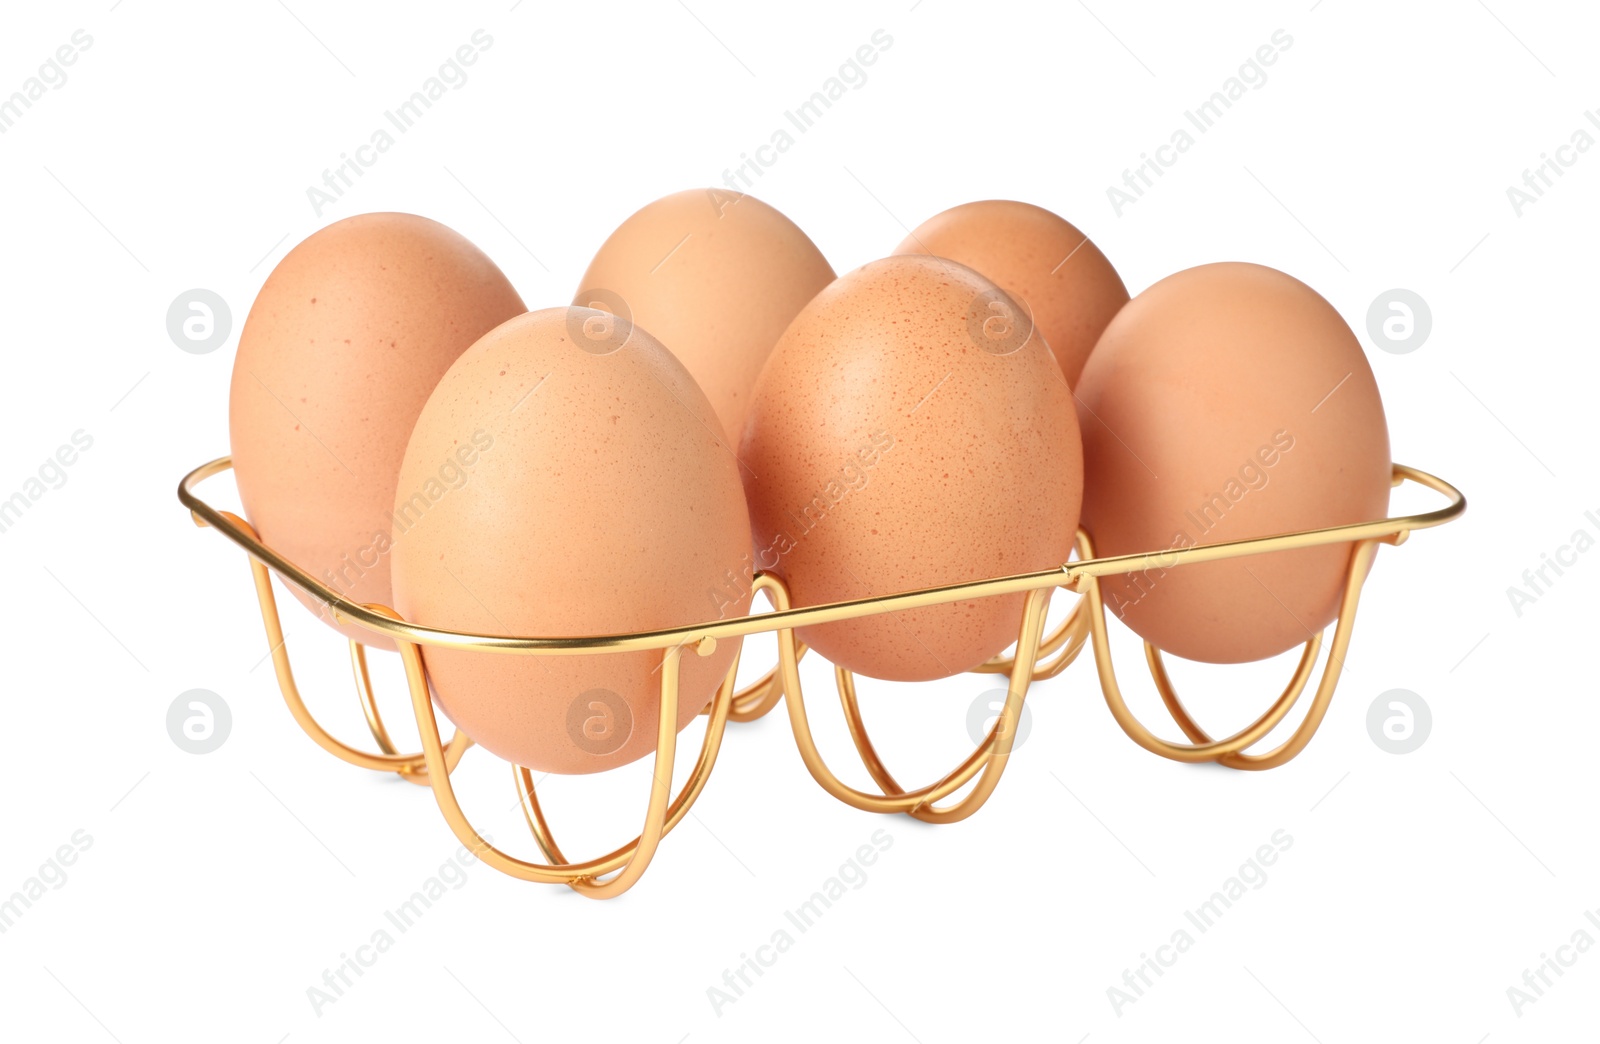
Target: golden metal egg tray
[(1036, 656)]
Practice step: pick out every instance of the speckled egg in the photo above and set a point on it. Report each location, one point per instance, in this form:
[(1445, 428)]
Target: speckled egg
[(1225, 402), (1063, 280), (910, 430), (345, 340), (557, 485), (715, 276)]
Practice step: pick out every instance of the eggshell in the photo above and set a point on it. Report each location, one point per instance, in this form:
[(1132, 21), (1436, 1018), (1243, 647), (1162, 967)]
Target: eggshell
[(345, 340), (715, 276), (596, 498), (1225, 402), (910, 431), (1045, 264)]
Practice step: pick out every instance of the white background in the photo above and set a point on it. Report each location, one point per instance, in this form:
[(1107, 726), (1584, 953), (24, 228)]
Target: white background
[(218, 888)]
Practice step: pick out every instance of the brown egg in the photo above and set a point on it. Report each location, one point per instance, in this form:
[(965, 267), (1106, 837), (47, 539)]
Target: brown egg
[(1225, 402), (591, 495), (1045, 264), (909, 432), (345, 340), (715, 276)]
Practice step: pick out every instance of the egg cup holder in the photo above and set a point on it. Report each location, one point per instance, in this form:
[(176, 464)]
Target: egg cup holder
[(1036, 656), (1230, 751)]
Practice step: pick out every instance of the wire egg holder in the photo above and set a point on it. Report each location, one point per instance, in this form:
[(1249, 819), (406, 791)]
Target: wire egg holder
[(1037, 656)]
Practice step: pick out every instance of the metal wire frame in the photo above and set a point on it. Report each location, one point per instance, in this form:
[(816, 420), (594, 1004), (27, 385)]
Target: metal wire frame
[(1230, 751), (1030, 661)]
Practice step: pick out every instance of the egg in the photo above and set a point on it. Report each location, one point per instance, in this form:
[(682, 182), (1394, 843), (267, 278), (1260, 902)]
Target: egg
[(911, 430), (556, 486), (1062, 279), (1225, 402), (715, 276), (347, 337)]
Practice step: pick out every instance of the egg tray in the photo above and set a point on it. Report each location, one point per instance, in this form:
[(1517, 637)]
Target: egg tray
[(1036, 656)]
